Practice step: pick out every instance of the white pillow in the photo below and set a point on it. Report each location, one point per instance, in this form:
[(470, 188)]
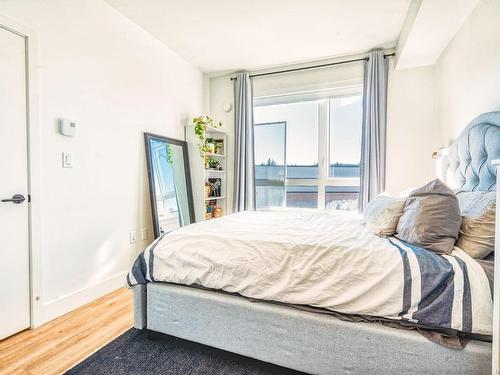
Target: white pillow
[(382, 215)]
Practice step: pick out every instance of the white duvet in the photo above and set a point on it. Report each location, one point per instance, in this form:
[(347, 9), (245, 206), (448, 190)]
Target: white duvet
[(326, 260)]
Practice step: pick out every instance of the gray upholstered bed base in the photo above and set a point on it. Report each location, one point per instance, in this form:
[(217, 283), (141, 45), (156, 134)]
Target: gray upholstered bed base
[(301, 340)]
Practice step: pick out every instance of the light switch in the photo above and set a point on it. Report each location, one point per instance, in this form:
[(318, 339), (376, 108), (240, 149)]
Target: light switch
[(133, 237), (67, 160)]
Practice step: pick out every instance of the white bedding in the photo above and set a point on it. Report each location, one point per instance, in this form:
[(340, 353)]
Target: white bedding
[(326, 260)]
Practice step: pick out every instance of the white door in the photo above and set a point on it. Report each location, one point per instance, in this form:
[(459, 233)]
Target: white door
[(14, 212)]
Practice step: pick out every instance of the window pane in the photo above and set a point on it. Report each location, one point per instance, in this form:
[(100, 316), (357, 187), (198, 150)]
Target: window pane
[(269, 164), (302, 196), (269, 196), (345, 136), (302, 122), (341, 197)]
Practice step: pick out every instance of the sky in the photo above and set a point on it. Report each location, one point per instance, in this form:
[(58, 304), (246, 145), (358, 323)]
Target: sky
[(302, 131)]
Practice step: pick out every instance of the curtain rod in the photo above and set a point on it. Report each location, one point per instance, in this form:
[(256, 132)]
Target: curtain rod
[(311, 67)]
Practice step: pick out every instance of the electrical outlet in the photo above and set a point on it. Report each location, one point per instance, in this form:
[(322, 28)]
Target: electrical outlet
[(133, 237), (144, 234)]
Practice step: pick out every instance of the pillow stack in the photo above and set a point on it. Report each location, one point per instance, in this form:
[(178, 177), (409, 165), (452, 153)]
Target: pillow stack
[(434, 218)]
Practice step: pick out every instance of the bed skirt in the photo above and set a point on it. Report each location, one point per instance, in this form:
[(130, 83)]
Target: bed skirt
[(300, 340)]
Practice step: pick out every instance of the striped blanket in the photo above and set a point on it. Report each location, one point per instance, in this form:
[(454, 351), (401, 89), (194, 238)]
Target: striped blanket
[(325, 260)]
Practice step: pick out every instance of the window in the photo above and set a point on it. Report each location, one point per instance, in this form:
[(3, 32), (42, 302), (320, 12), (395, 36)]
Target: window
[(307, 152)]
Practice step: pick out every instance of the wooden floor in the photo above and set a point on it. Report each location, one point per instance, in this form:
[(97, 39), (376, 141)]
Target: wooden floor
[(62, 343)]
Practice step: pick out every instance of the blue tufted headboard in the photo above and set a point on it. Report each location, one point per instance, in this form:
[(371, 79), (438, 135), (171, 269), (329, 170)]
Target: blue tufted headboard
[(467, 167)]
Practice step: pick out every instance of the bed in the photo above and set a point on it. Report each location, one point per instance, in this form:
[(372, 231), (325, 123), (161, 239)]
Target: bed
[(246, 319)]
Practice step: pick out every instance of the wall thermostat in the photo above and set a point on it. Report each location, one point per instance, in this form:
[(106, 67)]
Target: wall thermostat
[(67, 127), (227, 107)]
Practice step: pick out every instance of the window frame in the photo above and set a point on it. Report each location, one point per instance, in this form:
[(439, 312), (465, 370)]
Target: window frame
[(323, 180)]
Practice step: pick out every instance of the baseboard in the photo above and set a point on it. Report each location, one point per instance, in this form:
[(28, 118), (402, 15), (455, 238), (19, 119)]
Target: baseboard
[(62, 305)]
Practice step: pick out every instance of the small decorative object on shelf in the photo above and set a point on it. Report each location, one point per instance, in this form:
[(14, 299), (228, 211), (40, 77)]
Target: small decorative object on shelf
[(210, 145), (217, 212), (207, 190), (201, 125), (210, 207), (215, 184), (211, 210), (219, 146)]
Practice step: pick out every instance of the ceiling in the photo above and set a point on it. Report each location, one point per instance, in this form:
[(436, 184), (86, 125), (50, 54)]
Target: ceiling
[(431, 25), (222, 35)]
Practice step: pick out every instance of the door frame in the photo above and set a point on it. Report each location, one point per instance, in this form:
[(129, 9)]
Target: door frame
[(33, 167)]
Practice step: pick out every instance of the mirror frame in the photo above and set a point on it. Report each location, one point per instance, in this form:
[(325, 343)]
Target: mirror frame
[(151, 177)]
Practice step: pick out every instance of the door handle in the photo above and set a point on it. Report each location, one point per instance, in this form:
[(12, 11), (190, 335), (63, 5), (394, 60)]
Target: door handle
[(16, 198)]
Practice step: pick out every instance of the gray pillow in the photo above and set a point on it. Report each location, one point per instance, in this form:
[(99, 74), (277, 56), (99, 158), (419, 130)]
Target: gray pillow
[(431, 218), (477, 233), (382, 215)]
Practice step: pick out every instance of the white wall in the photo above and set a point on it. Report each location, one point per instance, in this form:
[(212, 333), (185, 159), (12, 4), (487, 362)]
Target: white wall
[(412, 132), (333, 77), (467, 74), (221, 91), (116, 81)]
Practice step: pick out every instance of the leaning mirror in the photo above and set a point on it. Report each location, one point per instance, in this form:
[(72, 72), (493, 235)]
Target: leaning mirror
[(169, 183)]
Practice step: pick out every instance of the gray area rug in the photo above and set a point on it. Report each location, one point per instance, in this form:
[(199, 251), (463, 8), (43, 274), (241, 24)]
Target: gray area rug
[(134, 353)]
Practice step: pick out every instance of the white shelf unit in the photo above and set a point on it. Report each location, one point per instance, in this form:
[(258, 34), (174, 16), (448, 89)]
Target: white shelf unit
[(214, 198), (215, 155), (200, 174)]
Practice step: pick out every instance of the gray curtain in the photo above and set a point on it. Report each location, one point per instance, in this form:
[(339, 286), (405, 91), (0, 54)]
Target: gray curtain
[(244, 165), (373, 140)]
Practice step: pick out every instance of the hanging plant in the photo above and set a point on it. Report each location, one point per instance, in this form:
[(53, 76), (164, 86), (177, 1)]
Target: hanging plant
[(201, 124)]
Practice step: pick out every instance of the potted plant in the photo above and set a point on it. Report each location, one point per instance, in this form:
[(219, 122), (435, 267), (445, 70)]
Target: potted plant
[(213, 164), (218, 147), (210, 145), (201, 124)]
